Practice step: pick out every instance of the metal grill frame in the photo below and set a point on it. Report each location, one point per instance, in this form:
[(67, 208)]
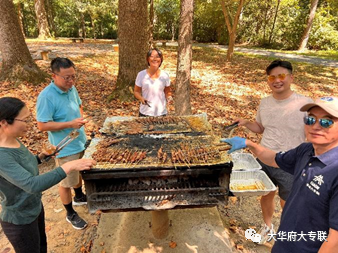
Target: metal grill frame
[(137, 200)]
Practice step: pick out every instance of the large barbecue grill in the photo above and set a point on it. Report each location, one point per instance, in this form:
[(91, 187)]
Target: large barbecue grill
[(157, 164)]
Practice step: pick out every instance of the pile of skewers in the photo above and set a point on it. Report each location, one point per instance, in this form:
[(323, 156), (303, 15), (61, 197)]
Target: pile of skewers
[(160, 120), (120, 156), (189, 155), (183, 154)]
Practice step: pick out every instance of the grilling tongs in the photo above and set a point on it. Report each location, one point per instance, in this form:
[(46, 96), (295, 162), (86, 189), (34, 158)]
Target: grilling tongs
[(65, 141), (230, 128)]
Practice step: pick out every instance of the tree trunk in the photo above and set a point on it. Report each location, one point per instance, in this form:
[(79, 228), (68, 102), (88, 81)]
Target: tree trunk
[(184, 59), (41, 15), (133, 46), (173, 31), (151, 24), (83, 26), (50, 14), (267, 7), (20, 15), (17, 63), (274, 22), (231, 28), (306, 33), (93, 27)]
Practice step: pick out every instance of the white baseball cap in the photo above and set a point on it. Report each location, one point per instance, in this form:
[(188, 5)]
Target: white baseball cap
[(329, 104)]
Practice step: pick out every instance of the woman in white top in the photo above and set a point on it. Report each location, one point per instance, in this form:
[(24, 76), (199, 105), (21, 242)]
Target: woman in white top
[(152, 87)]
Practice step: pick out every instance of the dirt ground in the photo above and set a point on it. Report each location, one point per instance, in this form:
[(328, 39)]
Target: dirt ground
[(240, 214)]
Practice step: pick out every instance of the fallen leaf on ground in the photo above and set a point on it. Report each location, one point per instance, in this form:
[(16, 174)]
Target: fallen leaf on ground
[(172, 244), (233, 222), (239, 247), (233, 228), (233, 200)]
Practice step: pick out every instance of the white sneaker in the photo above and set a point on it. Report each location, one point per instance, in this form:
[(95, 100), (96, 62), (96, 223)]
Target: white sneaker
[(264, 232)]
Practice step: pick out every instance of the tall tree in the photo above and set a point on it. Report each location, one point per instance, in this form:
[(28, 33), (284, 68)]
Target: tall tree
[(17, 62), (133, 45), (184, 58), (20, 16), (306, 34), (50, 16), (231, 25), (274, 21), (151, 23), (41, 15)]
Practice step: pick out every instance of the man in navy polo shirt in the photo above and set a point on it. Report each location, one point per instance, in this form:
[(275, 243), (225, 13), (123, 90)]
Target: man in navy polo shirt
[(309, 221), (59, 111)]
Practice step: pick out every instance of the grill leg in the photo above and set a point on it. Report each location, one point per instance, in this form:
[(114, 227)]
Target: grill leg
[(160, 223)]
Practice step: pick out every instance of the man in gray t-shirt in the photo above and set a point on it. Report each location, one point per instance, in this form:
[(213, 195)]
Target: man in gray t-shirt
[(281, 123)]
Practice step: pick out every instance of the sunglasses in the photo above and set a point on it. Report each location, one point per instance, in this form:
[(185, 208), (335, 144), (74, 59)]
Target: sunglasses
[(325, 123), (281, 77)]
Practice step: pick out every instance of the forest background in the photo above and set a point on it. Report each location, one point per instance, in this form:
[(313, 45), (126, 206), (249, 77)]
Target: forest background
[(277, 24)]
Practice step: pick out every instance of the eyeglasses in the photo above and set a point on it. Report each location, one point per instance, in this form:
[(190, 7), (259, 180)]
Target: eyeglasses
[(325, 123), (24, 120), (281, 77), (67, 78)]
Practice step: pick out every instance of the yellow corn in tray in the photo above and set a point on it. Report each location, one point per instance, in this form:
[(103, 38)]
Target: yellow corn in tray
[(248, 186)]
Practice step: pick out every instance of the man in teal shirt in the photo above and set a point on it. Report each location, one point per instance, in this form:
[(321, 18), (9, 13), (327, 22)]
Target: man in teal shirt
[(59, 111)]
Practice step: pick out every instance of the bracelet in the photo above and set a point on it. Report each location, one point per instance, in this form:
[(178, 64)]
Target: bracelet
[(38, 159)]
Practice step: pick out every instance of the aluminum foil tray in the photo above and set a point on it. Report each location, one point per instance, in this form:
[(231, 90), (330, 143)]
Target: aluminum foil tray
[(245, 162), (250, 183)]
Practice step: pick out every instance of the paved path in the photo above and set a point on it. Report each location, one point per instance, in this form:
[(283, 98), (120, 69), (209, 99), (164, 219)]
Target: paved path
[(91, 49), (294, 57)]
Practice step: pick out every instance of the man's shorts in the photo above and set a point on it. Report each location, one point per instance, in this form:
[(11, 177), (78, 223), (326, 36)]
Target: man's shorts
[(73, 177), (280, 178)]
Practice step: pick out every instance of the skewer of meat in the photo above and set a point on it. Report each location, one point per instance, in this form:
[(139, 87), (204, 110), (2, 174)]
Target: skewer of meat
[(132, 157), (140, 156), (160, 154), (173, 157), (181, 157), (164, 157)]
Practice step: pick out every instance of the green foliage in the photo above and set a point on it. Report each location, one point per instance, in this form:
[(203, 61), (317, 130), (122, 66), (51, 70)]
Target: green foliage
[(166, 19), (209, 24), (29, 22), (323, 34), (99, 16), (257, 18)]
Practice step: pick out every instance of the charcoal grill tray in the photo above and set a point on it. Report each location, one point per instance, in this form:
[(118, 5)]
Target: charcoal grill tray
[(111, 127)]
